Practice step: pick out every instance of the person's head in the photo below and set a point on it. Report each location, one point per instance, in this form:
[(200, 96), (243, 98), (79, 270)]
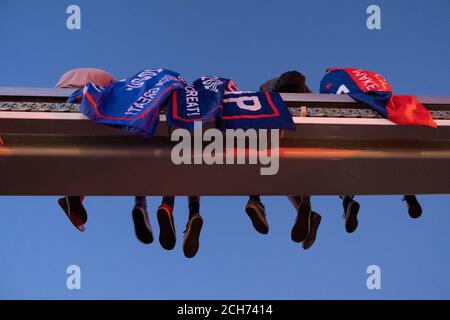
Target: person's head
[(77, 78), (291, 82)]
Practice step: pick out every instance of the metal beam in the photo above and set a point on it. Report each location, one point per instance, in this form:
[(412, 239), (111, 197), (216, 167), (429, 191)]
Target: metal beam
[(312, 99), (54, 152)]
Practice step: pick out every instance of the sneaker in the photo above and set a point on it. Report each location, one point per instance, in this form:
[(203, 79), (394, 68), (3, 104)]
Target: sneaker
[(351, 209), (414, 208), (257, 213), (192, 235), (302, 223), (74, 210), (311, 237), (142, 226), (167, 235)]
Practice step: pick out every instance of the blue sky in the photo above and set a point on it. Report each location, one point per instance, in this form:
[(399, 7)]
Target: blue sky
[(248, 41)]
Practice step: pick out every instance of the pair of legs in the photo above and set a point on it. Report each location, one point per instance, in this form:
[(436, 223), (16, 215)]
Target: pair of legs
[(75, 211), (305, 226), (307, 222), (167, 232)]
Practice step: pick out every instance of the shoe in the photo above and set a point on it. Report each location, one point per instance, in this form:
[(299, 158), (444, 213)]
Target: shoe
[(74, 210), (192, 234), (257, 213), (302, 223), (414, 208), (311, 237), (142, 226), (351, 209), (167, 235)]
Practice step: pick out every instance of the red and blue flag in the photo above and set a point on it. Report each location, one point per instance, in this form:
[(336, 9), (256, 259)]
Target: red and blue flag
[(374, 91)]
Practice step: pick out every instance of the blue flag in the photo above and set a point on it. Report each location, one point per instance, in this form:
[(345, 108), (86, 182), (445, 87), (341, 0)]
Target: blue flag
[(132, 104), (258, 110), (199, 101)]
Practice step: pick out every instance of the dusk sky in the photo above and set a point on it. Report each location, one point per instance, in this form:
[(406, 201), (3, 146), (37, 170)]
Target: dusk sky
[(249, 42)]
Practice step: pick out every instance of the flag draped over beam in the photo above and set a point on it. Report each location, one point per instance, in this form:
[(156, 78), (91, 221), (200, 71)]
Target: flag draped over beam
[(259, 110), (374, 91), (199, 101), (134, 104)]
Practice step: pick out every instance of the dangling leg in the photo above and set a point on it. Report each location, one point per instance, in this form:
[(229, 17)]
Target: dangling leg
[(191, 241), (351, 209), (301, 226), (142, 226), (257, 213), (307, 222), (167, 234), (75, 211), (414, 207)]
